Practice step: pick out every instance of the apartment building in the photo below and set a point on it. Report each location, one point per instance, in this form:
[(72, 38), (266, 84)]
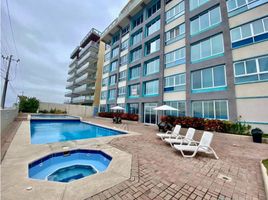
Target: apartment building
[(84, 75), (208, 58)]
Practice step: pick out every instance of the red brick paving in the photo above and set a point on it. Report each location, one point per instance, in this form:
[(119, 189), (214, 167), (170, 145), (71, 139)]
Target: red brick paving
[(159, 172)]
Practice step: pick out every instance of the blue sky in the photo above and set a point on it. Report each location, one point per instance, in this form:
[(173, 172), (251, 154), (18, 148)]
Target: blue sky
[(46, 32)]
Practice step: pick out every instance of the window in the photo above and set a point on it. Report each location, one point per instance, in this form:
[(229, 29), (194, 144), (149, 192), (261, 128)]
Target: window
[(113, 79), (136, 37), (102, 108), (134, 90), (175, 34), (123, 60), (197, 3), (122, 75), (251, 70), (113, 66), (180, 105), (214, 109), (115, 52), (137, 21), (152, 46), (115, 38), (112, 94), (135, 54), (212, 77), (175, 83), (124, 45), (175, 12), (210, 47), (155, 7), (249, 33), (125, 30), (106, 69), (104, 82), (107, 56), (121, 91), (237, 6), (103, 95), (151, 88), (153, 26), (206, 20), (133, 108), (134, 72), (152, 66), (174, 58)]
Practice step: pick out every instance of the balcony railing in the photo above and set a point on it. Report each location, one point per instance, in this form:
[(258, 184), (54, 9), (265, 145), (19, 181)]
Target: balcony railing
[(81, 78), (83, 99), (71, 77), (87, 56), (91, 44)]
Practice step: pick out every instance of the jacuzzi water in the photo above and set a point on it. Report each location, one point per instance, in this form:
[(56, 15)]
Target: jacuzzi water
[(69, 166)]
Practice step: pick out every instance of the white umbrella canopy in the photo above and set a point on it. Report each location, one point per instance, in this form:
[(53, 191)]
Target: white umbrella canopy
[(165, 107), (117, 108)]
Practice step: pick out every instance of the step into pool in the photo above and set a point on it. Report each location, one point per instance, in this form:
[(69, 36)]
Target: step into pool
[(50, 131)]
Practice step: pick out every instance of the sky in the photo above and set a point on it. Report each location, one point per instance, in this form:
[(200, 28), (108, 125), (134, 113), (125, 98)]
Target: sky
[(45, 34)]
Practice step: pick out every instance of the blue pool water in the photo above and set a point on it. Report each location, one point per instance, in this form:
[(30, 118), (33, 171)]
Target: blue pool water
[(49, 131), (46, 116), (69, 166)]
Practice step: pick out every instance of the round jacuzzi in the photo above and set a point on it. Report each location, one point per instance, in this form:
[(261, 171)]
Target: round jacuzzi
[(69, 165)]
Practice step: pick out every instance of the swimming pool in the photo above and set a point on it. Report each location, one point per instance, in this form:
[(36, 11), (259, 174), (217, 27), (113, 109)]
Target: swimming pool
[(49, 131), (70, 165)]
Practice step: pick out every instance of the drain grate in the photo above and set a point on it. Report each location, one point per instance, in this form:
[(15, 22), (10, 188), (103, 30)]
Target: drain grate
[(225, 178)]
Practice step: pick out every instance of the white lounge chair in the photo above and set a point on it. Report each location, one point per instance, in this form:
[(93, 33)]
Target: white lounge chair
[(202, 146), (172, 134), (180, 139)]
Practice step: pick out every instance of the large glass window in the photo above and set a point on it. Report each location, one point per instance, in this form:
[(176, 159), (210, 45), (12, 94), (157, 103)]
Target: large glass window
[(209, 78), (180, 105), (122, 75), (124, 45), (206, 20), (112, 94), (155, 7), (175, 57), (137, 21), (115, 52), (175, 83), (134, 90), (152, 46), (233, 5), (102, 108), (123, 60), (133, 108), (121, 92), (175, 12), (106, 69), (251, 70), (125, 30), (213, 109), (134, 72), (136, 37), (151, 87), (152, 66), (153, 26), (175, 33), (116, 38), (197, 3), (105, 82), (107, 56), (113, 79), (249, 33), (103, 95), (210, 47), (113, 66), (135, 54)]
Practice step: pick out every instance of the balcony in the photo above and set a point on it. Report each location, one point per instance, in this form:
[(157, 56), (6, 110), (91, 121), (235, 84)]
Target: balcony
[(72, 67), (91, 46), (71, 77), (90, 57), (70, 94), (83, 89), (70, 85), (129, 9), (82, 79), (83, 99), (86, 68)]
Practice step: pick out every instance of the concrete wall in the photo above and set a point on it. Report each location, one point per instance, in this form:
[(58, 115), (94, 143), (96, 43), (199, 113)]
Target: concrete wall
[(76, 110), (7, 116)]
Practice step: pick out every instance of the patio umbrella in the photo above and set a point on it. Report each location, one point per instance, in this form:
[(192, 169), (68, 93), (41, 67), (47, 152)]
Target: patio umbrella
[(165, 107), (117, 108)]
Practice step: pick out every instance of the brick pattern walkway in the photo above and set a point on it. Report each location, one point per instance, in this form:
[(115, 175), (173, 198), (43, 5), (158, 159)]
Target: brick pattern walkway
[(159, 172)]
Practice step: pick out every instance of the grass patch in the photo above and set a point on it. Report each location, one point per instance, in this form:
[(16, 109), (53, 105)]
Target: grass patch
[(265, 135), (265, 163)]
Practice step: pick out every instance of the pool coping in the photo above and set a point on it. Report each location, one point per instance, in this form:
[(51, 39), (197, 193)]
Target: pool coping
[(21, 152)]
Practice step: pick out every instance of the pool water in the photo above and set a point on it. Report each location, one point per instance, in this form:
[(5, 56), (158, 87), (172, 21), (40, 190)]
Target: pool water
[(46, 116), (49, 131), (74, 172), (69, 166)]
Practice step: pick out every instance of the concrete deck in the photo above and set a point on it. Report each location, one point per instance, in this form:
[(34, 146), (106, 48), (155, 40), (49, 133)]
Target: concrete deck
[(156, 171)]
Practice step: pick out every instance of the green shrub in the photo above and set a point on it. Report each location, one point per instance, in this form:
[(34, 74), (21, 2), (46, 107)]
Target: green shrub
[(236, 128), (28, 104)]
